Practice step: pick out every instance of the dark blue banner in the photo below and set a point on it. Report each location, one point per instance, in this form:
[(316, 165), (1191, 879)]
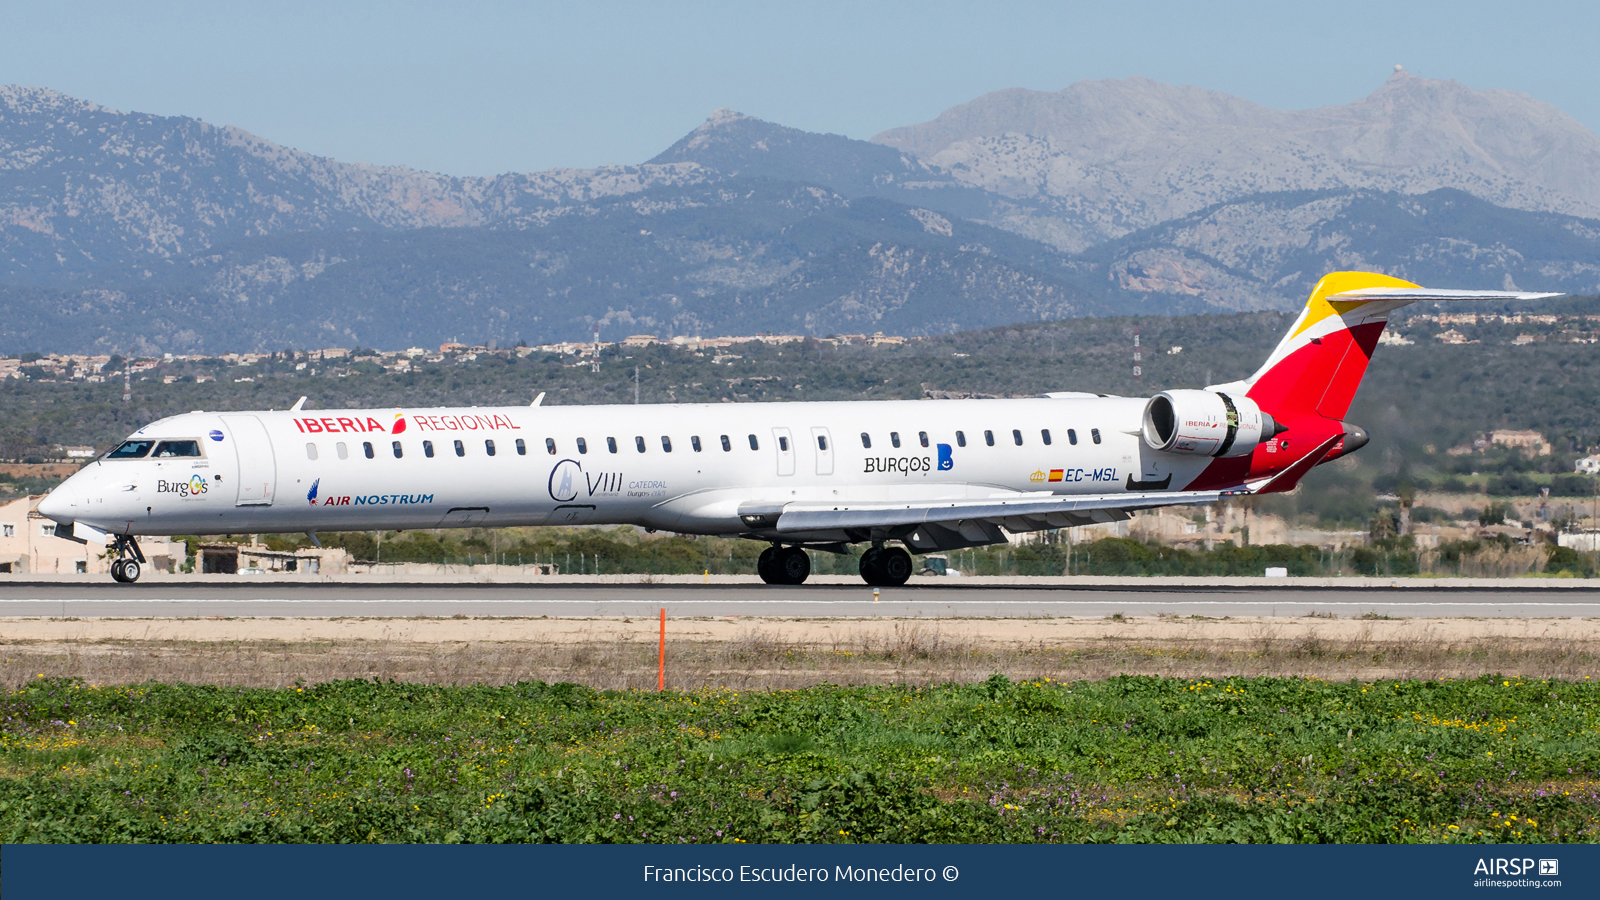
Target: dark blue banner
[(1187, 872)]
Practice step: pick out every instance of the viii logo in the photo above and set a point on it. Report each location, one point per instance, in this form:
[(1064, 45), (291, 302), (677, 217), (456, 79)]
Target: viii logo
[(564, 480), (568, 478)]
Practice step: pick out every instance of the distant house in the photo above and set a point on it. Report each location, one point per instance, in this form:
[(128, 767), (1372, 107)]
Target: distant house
[(80, 452), (1589, 465)]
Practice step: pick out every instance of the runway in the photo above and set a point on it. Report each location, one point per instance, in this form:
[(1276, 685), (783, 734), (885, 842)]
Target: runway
[(932, 601)]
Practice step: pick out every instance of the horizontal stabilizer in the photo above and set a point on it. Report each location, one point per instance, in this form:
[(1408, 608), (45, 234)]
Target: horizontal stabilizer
[(1418, 294)]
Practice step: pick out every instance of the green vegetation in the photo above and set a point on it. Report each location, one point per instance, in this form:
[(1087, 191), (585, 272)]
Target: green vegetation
[(1128, 759)]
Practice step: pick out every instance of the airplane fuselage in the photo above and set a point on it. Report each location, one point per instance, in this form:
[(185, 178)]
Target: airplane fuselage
[(685, 468)]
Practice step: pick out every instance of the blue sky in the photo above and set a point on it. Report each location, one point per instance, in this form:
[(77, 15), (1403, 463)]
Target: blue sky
[(483, 88)]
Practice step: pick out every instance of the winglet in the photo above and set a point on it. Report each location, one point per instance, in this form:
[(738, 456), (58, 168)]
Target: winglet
[(538, 400), (297, 405)]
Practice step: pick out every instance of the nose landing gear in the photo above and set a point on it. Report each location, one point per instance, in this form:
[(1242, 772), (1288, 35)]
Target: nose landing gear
[(126, 567)]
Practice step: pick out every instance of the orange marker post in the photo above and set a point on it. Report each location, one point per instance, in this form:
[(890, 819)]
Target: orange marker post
[(661, 670)]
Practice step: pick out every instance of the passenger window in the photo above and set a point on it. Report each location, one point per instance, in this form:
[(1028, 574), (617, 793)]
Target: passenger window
[(961, 439), (131, 450), (366, 446), (611, 444), (1016, 436), (988, 437), (522, 449), (461, 449), (344, 452), (694, 441), (427, 449), (488, 447), (922, 437), (1044, 434), (168, 449), (894, 438), (1095, 433), (638, 442), (822, 442), (666, 444), (753, 444), (550, 445), (583, 446), (1072, 436), (783, 443), (397, 451), (311, 451), (727, 446), (866, 440)]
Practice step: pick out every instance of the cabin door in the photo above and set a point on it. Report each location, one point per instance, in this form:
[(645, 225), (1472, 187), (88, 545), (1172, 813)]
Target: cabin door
[(258, 469)]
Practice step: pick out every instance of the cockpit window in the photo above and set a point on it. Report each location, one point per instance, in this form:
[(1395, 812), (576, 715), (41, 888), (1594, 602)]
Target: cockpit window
[(131, 450), (168, 449)]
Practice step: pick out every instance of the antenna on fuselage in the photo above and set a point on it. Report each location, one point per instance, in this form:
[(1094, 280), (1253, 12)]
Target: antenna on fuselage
[(538, 400), (297, 405)]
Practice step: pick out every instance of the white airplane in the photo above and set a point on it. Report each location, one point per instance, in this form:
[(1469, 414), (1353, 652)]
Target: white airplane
[(932, 475)]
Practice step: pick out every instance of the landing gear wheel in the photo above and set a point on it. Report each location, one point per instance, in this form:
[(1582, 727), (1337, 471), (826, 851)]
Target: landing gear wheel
[(767, 565), (793, 566), (130, 571), (895, 566), (116, 570), (871, 566)]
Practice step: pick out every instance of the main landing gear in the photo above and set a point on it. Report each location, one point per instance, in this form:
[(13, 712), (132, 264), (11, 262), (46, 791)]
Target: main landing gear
[(783, 565), (880, 566), (885, 566), (126, 567)]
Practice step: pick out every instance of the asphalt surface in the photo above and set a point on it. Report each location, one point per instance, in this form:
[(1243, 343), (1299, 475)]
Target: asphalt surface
[(811, 601)]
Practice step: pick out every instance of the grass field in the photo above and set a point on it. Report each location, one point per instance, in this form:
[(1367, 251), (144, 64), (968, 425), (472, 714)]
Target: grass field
[(1129, 758)]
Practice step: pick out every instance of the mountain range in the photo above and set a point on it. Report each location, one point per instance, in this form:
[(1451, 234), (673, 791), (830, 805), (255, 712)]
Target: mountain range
[(140, 233)]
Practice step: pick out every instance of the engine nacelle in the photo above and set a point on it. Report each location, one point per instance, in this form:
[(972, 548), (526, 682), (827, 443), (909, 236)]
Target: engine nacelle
[(1205, 423)]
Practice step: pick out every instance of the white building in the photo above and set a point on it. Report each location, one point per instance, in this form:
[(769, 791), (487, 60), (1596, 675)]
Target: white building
[(29, 545)]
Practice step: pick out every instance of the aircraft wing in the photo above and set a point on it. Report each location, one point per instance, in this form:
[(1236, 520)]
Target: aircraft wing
[(951, 524), (1080, 507)]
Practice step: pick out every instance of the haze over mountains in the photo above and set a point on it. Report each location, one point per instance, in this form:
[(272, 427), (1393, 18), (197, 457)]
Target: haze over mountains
[(135, 232)]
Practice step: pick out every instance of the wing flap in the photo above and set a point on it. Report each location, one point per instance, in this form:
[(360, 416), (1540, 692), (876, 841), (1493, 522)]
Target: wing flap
[(810, 517)]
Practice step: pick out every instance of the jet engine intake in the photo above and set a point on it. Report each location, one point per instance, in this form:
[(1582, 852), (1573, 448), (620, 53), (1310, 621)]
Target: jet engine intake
[(1205, 423)]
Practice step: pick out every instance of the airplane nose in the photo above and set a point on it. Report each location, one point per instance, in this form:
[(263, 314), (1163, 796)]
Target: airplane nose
[(60, 504)]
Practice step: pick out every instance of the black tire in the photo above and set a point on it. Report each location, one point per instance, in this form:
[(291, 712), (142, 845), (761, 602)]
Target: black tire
[(895, 567), (130, 571), (116, 571), (871, 570), (767, 565), (793, 566)]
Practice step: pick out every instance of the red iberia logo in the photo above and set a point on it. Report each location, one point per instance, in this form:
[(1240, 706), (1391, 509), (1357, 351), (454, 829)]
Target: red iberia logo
[(340, 424), (399, 423)]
